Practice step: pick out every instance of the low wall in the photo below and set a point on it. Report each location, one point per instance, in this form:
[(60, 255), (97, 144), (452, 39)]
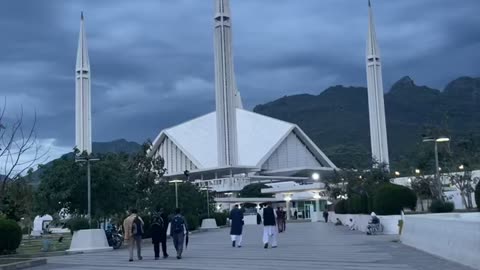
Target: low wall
[(453, 236), (250, 219), (390, 223), (93, 240)]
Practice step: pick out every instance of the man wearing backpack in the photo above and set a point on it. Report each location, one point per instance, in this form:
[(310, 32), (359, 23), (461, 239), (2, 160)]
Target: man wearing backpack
[(178, 229), (133, 229), (159, 233)]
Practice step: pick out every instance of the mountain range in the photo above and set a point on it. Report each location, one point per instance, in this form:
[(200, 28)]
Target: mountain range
[(337, 119)]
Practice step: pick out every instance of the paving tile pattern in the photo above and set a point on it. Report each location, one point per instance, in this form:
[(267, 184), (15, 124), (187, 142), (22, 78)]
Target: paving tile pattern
[(302, 246)]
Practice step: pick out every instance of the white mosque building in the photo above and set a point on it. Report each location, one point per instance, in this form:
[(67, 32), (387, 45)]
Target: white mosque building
[(232, 147)]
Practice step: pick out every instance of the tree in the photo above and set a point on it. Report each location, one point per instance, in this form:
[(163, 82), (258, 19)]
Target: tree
[(366, 182), (64, 186), (190, 199), (148, 169), (18, 202), (477, 195), (335, 184), (19, 149), (254, 191), (465, 183), (422, 186)]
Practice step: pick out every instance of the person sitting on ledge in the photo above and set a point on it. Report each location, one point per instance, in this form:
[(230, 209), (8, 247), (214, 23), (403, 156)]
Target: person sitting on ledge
[(373, 224), (338, 223), (351, 225)]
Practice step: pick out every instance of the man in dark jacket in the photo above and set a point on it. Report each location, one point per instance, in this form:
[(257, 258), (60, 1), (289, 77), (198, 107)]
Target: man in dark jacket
[(236, 217), (178, 231), (159, 232), (325, 215), (269, 226)]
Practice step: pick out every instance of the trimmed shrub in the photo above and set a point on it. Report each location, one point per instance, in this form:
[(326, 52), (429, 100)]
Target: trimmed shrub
[(364, 204), (221, 218), (192, 222), (353, 204), (439, 206), (357, 204), (77, 223), (341, 207), (477, 195), (10, 235), (390, 199)]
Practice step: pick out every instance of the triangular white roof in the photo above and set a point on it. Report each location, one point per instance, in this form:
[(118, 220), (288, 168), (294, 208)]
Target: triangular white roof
[(258, 136)]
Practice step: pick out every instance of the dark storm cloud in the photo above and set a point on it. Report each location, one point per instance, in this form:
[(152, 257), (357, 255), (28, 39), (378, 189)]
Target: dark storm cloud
[(152, 61)]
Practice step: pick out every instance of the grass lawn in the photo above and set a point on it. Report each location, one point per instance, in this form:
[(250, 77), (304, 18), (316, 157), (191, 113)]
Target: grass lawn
[(34, 246), (11, 260)]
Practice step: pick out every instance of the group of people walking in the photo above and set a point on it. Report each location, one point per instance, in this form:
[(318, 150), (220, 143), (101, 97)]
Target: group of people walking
[(270, 219), (134, 230)]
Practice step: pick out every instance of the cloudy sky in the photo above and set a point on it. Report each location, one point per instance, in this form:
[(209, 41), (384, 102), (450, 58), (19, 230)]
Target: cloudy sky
[(152, 60)]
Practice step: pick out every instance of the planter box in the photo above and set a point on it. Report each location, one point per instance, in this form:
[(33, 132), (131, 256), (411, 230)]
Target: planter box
[(453, 236), (209, 223), (390, 223), (89, 241)]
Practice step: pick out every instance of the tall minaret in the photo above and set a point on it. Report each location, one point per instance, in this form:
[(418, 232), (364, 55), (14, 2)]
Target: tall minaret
[(83, 110), (225, 89), (376, 106)]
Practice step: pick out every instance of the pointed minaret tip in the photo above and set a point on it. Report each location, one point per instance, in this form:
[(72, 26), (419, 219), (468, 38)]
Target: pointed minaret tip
[(369, 4), (81, 15)]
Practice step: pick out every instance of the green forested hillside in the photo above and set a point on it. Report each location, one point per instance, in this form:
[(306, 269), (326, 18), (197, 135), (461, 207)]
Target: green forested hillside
[(337, 118)]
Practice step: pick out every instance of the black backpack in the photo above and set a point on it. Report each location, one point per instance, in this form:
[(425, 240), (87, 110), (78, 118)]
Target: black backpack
[(178, 224), (157, 220), (137, 227)]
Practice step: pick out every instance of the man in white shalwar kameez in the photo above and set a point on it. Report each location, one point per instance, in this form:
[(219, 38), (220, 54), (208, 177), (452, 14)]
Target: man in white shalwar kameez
[(269, 226)]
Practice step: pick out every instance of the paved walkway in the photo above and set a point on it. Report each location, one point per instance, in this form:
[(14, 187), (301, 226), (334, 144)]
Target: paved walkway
[(303, 246)]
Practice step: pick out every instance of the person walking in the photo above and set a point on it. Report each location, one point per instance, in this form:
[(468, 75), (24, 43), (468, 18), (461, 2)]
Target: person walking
[(269, 227), (133, 229), (279, 219), (159, 233), (325, 215), (236, 229), (284, 219), (178, 229)]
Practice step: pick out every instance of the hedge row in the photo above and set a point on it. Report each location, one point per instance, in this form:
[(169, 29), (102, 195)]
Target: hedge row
[(77, 223), (388, 199), (439, 206)]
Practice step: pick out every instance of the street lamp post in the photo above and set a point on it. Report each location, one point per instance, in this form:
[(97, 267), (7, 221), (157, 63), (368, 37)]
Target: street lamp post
[(437, 167), (288, 198), (88, 159), (207, 188), (176, 191)]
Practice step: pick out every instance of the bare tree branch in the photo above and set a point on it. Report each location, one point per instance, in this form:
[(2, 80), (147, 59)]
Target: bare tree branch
[(15, 146)]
